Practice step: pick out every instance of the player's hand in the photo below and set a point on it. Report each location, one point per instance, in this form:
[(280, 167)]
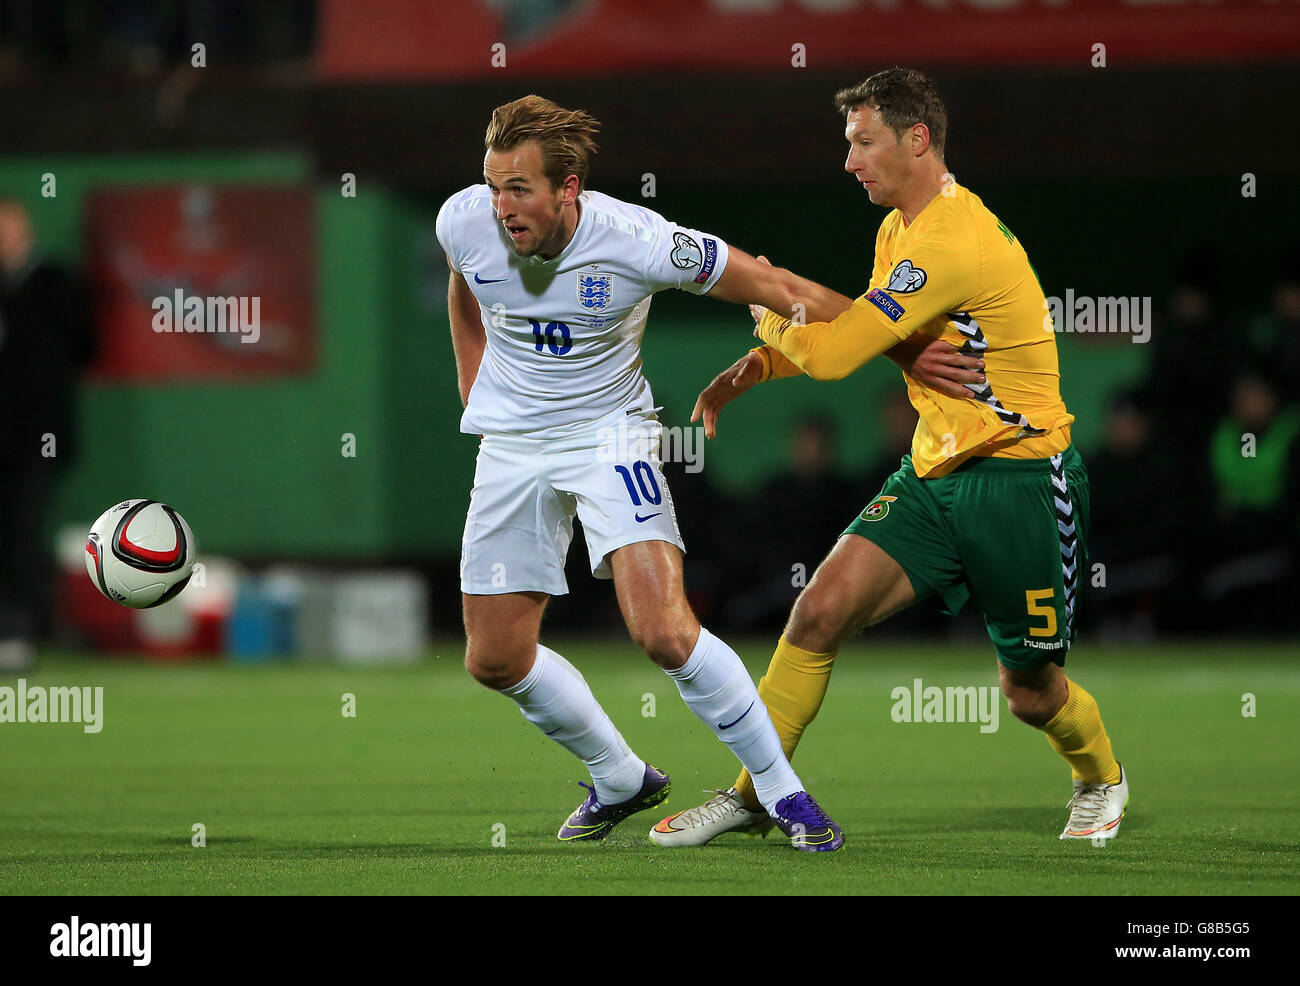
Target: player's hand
[(938, 365), (725, 388)]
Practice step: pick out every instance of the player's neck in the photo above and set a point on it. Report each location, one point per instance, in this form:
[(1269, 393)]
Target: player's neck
[(564, 235), (929, 184)]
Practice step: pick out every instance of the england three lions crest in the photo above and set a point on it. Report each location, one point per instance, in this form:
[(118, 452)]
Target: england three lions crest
[(595, 291)]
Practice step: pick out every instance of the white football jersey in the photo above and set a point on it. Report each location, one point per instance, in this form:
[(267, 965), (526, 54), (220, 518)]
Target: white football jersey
[(564, 335)]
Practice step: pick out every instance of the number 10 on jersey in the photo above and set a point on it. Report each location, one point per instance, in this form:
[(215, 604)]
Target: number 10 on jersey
[(554, 337)]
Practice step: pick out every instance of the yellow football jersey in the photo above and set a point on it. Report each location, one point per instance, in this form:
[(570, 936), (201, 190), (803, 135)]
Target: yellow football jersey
[(956, 273)]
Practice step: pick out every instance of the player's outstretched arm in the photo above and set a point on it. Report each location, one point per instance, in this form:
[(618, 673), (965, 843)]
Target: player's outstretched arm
[(725, 388), (467, 336), (750, 281), (931, 362), (829, 350)]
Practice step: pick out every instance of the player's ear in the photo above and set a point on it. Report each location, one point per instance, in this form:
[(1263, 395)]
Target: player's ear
[(571, 189), (920, 137)]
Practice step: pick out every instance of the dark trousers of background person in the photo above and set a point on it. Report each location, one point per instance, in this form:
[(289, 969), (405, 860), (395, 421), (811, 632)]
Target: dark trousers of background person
[(27, 569)]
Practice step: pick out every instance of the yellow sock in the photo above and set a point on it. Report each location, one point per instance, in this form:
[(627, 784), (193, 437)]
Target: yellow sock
[(1077, 734), (792, 690)]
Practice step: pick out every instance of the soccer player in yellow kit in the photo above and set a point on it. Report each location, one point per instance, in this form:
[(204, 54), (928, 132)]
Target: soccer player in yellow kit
[(992, 502)]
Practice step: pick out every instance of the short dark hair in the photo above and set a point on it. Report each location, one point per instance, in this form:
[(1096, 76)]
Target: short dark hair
[(904, 98)]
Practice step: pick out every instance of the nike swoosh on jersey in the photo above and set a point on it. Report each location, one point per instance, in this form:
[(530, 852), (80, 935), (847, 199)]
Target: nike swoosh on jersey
[(642, 520), (495, 280), (737, 719)]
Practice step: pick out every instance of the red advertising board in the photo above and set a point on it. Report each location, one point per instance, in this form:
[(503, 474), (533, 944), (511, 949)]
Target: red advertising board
[(201, 281), (479, 39)]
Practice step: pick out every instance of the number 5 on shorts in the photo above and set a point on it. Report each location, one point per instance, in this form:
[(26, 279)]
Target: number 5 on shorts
[(1033, 597)]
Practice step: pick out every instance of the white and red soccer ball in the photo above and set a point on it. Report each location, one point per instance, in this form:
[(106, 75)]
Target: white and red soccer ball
[(140, 553)]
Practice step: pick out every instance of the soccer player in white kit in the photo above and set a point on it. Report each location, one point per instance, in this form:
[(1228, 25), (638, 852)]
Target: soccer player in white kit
[(549, 292)]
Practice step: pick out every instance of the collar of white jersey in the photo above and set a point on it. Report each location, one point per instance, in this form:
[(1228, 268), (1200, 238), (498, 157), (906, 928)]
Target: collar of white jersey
[(579, 230)]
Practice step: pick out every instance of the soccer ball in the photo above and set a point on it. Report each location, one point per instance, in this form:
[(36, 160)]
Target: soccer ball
[(140, 553)]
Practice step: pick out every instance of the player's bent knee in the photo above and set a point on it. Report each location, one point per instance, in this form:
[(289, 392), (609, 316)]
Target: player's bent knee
[(817, 622), (1030, 706), (497, 669), (1034, 696), (664, 642)]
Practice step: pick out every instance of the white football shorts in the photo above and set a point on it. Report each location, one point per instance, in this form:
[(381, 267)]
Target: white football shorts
[(527, 491)]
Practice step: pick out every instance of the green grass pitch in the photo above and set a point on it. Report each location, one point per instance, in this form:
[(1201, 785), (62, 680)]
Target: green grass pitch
[(408, 796)]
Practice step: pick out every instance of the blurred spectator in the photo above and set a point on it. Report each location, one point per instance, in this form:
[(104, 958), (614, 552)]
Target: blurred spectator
[(1144, 502), (1190, 369), (46, 337), (1273, 334), (791, 524), (1255, 462)]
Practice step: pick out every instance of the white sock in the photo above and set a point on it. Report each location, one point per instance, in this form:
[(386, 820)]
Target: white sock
[(555, 698), (717, 688)]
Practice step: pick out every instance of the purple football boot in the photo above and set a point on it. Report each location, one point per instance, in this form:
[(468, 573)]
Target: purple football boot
[(810, 829), (591, 820)]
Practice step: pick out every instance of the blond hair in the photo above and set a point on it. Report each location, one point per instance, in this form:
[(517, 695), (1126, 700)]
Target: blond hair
[(565, 137)]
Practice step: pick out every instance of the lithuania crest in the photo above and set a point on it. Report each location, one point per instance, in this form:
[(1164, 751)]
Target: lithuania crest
[(878, 509)]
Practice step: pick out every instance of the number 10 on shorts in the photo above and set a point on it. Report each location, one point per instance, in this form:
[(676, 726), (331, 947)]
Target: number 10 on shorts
[(645, 479)]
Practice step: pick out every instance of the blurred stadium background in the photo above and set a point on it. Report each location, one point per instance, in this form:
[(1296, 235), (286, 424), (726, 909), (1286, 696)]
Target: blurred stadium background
[(297, 151)]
